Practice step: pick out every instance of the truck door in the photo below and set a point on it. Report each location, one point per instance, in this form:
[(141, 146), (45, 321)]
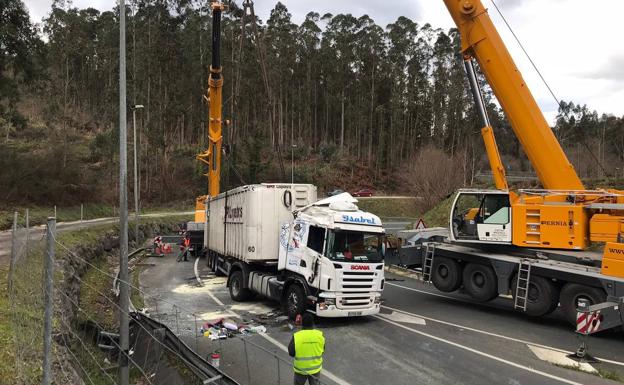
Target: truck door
[(494, 224), (481, 217)]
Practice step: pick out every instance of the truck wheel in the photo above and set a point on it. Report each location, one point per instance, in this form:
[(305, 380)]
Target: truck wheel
[(480, 282), (542, 298), (570, 295), (237, 292), (446, 274), (294, 301)]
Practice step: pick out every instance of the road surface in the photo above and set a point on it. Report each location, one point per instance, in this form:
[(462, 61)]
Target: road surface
[(421, 337)]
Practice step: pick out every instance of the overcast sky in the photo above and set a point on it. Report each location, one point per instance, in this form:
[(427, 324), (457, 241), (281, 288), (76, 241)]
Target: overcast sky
[(575, 43)]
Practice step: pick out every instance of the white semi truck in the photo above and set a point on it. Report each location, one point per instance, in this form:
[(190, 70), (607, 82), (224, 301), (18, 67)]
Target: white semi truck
[(277, 241)]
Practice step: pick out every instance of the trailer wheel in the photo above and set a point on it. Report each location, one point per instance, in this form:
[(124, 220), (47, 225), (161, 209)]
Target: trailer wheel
[(446, 274), (237, 292), (542, 298), (480, 282), (294, 301), (215, 266), (572, 293)]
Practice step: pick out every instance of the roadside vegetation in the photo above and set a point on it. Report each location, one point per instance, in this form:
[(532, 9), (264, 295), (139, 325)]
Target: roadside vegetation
[(392, 207), (21, 325)]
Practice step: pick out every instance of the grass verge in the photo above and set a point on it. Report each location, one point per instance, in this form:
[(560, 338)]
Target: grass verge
[(21, 314), (392, 207)]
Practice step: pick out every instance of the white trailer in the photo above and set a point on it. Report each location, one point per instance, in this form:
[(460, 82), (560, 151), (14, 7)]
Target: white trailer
[(276, 240)]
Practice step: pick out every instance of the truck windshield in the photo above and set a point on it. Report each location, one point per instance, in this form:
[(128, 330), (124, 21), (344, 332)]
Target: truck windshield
[(355, 246)]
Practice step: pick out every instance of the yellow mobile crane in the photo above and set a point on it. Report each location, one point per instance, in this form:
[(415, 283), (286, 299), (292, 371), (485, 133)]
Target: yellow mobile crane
[(529, 242), (212, 156)]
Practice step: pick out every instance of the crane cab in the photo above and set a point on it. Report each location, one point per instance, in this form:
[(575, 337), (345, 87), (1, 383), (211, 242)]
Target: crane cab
[(481, 216)]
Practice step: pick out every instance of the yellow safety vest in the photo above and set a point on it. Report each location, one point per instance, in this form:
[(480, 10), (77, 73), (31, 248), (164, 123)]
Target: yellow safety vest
[(309, 348)]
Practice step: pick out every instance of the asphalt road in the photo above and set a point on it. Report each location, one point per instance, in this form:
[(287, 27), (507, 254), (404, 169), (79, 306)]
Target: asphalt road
[(421, 337)]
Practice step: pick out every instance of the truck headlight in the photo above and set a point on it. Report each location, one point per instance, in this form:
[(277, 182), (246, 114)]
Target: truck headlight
[(377, 299), (330, 301)]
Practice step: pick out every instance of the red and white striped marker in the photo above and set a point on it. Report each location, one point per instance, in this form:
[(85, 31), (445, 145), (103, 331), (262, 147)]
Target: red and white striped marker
[(588, 323)]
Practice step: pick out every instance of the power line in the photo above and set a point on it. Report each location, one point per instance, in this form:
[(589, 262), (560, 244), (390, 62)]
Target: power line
[(527, 54), (557, 100)]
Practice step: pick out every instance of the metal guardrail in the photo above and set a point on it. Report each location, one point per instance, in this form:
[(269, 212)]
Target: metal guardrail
[(199, 366)]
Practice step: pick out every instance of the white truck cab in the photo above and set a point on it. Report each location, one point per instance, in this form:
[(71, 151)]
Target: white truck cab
[(276, 240), (336, 248)]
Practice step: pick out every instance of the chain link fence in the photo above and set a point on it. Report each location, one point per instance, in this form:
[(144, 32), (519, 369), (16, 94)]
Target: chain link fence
[(85, 312), (25, 288)]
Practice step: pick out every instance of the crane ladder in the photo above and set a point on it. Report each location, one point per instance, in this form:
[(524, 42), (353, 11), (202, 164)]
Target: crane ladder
[(522, 284), (428, 264)]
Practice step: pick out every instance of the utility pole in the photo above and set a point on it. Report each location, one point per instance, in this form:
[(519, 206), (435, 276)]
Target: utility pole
[(49, 301), (123, 204), (136, 175)]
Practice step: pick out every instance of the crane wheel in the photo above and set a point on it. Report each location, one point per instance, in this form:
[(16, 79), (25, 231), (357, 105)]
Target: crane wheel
[(572, 292), (543, 296), (480, 282), (446, 274)]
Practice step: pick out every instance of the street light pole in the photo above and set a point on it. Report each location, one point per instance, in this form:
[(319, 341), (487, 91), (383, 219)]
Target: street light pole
[(136, 175), (124, 299), (292, 164)]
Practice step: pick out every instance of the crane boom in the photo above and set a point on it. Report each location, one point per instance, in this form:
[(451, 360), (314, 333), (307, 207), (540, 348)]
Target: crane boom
[(480, 39), (212, 156)]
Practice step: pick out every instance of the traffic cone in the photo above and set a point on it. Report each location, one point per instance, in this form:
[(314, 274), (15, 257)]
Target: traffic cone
[(298, 320)]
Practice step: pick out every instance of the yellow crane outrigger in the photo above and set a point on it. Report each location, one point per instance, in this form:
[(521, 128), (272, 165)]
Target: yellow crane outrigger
[(212, 156)]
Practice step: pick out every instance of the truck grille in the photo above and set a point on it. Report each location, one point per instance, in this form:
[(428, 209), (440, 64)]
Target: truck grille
[(356, 281)]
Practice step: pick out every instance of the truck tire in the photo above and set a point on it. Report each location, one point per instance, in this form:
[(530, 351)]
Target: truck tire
[(480, 282), (543, 295), (572, 292), (237, 292), (294, 301), (446, 274)]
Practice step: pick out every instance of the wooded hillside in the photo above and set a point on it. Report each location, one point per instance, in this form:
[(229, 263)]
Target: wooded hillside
[(359, 101)]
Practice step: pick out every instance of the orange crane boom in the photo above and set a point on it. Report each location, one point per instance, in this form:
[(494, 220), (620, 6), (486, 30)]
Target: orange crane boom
[(212, 156), (481, 40)]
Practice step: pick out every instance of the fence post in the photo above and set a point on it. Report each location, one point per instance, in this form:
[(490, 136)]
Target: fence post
[(47, 325), (55, 211), (246, 362), (196, 336), (81, 213), (13, 254), (27, 231)]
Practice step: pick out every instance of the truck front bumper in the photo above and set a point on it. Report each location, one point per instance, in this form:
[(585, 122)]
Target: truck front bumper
[(331, 311)]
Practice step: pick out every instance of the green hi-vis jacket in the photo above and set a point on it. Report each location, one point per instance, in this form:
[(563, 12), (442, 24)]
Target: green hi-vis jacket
[(309, 348)]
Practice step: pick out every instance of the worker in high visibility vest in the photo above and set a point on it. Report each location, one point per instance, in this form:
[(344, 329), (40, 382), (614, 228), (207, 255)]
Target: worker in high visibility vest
[(307, 347)]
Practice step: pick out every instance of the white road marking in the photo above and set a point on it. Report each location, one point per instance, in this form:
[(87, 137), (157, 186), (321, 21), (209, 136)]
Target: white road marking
[(460, 346), (559, 358), (324, 373), (483, 331), (402, 317), (424, 292)]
